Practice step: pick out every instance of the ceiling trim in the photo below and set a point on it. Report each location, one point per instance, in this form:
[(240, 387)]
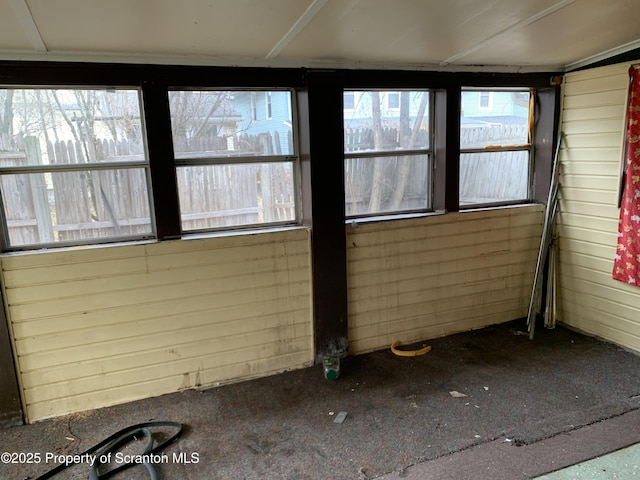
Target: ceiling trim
[(28, 23), (516, 26), (627, 47), (297, 27), (220, 61)]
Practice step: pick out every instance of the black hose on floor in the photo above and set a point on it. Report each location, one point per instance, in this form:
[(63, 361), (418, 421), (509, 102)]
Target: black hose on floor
[(116, 441)]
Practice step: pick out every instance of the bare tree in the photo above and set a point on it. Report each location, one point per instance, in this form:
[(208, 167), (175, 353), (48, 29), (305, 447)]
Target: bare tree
[(407, 138), (192, 111), (408, 142), (375, 200), (6, 114)]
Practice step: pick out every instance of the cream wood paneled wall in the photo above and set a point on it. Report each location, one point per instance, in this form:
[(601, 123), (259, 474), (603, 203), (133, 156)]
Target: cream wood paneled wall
[(99, 326), (422, 278), (593, 122)]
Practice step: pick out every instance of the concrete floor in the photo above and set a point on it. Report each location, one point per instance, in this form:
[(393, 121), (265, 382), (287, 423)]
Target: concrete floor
[(527, 408), (565, 455)]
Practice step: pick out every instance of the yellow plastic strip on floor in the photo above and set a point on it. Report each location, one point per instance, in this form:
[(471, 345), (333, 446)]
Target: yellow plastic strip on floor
[(408, 353)]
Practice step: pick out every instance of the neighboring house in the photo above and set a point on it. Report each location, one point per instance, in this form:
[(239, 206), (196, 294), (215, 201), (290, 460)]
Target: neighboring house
[(203, 121), (358, 108), (479, 108), (266, 112)]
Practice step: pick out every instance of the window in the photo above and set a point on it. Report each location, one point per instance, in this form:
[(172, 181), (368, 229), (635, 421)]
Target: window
[(73, 167), (485, 100), (349, 101), (231, 171), (495, 147), (388, 157)]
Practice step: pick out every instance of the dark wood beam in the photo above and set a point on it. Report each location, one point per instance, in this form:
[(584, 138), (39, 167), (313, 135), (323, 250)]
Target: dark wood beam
[(322, 157), (10, 404), (545, 128), (161, 159)]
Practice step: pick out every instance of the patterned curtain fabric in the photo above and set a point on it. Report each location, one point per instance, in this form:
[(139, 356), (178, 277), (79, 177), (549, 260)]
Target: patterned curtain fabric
[(626, 266)]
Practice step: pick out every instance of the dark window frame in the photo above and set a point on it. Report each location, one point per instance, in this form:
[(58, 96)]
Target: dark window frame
[(41, 169), (195, 159), (156, 80), (447, 87), (524, 147), (372, 155)]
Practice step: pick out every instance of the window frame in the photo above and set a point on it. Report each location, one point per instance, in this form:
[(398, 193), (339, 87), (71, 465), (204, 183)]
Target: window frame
[(527, 147), (187, 160), (51, 168), (311, 117), (373, 154)]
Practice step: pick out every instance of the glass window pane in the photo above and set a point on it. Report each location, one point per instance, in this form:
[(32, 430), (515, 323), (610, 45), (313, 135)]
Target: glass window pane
[(386, 120), (75, 206), (494, 118), (216, 196), (63, 126), (387, 184), (209, 123), (494, 177)]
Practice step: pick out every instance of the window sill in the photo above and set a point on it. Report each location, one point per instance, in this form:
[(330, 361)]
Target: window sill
[(484, 208), (127, 243), (354, 222), (240, 232)]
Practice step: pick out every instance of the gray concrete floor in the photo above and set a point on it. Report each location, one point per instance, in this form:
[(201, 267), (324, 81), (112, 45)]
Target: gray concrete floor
[(529, 408), (565, 455)]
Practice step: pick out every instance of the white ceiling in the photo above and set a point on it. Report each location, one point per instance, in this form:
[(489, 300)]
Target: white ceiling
[(511, 35)]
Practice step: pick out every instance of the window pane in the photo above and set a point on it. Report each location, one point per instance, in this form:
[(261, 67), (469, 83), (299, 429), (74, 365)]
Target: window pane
[(215, 196), (75, 206), (490, 118), (387, 184), (58, 126), (227, 123), (386, 121), (494, 177)]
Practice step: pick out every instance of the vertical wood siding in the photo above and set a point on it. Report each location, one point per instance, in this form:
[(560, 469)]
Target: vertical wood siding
[(594, 104), (422, 278), (100, 326)]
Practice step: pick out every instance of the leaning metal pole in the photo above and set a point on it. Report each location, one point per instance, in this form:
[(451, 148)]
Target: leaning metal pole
[(547, 230)]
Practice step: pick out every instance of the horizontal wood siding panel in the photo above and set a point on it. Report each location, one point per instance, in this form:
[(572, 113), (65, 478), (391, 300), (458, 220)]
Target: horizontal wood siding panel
[(588, 182), (604, 98), (594, 103), (98, 326), (605, 197), (411, 280), (191, 357), (580, 246), (585, 221), (607, 115), (266, 364), (597, 210)]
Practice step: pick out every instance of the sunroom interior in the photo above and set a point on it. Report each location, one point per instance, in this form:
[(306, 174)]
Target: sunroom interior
[(204, 192)]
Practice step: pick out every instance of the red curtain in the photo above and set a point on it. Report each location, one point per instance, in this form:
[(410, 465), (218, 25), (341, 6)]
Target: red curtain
[(626, 266)]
